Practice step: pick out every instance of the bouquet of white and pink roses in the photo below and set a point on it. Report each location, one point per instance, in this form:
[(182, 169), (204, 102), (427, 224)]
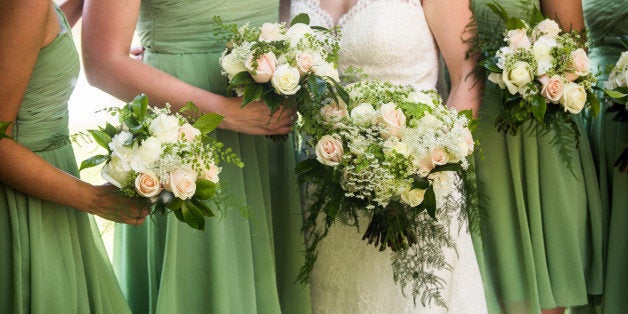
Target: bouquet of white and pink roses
[(543, 72), (279, 64), (391, 154), (159, 155), (616, 89)]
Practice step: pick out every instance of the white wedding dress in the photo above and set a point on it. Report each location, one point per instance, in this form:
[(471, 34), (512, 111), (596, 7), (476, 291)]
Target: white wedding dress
[(389, 40)]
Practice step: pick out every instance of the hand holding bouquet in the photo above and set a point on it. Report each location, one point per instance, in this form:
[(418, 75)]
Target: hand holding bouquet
[(279, 65), (391, 154), (543, 72), (159, 155)]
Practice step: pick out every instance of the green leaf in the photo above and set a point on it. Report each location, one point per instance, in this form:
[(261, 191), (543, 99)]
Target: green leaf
[(515, 23), (614, 93), (110, 130), (429, 201), (193, 216), (208, 122), (93, 161), (594, 102), (252, 92), (242, 78), (342, 93), (273, 101), (499, 10), (179, 215), (301, 18), (538, 108), (101, 138), (206, 210), (448, 167), (3, 129), (139, 106), (133, 124), (205, 189)]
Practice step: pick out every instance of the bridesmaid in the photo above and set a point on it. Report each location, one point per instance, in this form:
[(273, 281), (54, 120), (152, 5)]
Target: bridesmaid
[(542, 240), (606, 21), (236, 265), (52, 258)]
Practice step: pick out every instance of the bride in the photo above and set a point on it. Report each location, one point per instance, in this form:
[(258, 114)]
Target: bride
[(397, 41)]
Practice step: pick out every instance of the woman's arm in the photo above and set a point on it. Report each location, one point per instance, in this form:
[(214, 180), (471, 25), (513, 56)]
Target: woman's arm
[(72, 10), (567, 12), (30, 25), (448, 21), (108, 28)]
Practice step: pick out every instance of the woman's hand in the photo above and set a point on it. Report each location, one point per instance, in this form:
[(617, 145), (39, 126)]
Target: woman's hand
[(255, 118), (110, 205)]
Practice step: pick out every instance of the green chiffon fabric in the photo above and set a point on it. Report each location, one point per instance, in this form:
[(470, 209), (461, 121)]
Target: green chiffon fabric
[(237, 265), (541, 244), (606, 21), (53, 259)]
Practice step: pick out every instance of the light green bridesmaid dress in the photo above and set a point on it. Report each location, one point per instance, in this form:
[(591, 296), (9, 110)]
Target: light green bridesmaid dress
[(542, 240), (236, 265), (606, 21), (52, 259)]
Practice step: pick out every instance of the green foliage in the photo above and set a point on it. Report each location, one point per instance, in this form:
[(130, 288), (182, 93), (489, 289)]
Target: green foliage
[(3, 129)]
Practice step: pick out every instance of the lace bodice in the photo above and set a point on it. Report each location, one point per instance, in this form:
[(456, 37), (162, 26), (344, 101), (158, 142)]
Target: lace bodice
[(389, 40)]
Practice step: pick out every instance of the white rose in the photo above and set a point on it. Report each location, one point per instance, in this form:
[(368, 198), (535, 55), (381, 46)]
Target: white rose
[(517, 77), (420, 98), (497, 79), (182, 183), (413, 197), (286, 80), (546, 28), (334, 112), (150, 150), (542, 53), (212, 173), (326, 69), (270, 32), (297, 31), (363, 114), (442, 182), (622, 63), (231, 65), (147, 184), (120, 140), (402, 149), (393, 118), (329, 150), (518, 39), (429, 121), (574, 97), (113, 173), (165, 128)]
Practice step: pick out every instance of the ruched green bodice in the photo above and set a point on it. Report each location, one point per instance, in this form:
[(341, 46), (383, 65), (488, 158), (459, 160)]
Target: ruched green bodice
[(170, 26)]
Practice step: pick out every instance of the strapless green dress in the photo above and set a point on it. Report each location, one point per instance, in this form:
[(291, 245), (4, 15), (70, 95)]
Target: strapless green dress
[(606, 21), (52, 257), (541, 243), (236, 265)]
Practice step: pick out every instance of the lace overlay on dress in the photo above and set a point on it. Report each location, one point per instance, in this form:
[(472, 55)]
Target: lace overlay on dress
[(389, 40)]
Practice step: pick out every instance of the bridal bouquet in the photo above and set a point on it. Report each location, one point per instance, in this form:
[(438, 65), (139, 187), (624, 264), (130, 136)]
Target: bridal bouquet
[(279, 64), (159, 155), (616, 88), (543, 72), (391, 154)]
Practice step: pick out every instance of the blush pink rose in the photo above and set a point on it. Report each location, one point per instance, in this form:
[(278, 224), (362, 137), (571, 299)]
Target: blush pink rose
[(266, 65), (188, 132), (329, 150), (305, 61), (439, 156), (147, 184), (393, 118), (334, 111), (552, 87), (580, 62), (212, 173), (517, 38), (182, 183)]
